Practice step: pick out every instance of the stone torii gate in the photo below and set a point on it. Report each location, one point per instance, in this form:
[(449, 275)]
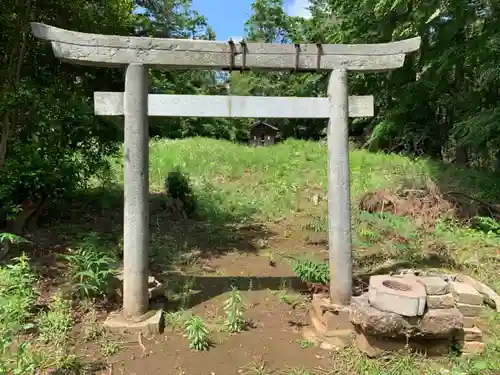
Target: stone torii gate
[(137, 54)]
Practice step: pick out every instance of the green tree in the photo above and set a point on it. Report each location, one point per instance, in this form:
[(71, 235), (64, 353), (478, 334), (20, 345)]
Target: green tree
[(51, 142)]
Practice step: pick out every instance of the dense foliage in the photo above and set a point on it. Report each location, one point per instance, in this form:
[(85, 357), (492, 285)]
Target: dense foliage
[(443, 103)]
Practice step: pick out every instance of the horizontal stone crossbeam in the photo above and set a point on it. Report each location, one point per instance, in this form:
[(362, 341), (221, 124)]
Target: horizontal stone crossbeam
[(112, 104), (112, 50)]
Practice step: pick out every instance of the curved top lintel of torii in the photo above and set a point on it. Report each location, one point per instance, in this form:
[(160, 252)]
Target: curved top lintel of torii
[(114, 50)]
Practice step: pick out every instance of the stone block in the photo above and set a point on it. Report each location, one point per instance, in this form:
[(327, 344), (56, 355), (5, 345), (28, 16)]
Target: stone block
[(444, 301), (465, 293), (321, 303), (441, 323), (326, 321), (403, 296), (434, 285), (150, 323), (376, 322), (472, 347), (316, 322), (469, 322), (470, 310), (374, 346), (472, 334), (436, 348)]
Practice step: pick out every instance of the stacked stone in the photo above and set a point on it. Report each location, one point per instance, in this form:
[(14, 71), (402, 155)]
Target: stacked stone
[(426, 314), (392, 317), (470, 303)]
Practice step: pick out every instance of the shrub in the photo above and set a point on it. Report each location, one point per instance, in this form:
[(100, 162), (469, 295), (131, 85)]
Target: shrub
[(178, 188)]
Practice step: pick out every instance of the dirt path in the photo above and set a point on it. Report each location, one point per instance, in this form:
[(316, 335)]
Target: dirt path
[(273, 344)]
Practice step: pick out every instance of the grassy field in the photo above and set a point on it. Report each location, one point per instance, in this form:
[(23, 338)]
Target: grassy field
[(254, 206)]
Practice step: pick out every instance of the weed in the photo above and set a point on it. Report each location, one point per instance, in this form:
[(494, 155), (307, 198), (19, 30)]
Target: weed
[(234, 312), (291, 300), (15, 360), (90, 269), (486, 224), (17, 294), (54, 324), (181, 291), (12, 238), (318, 224), (305, 344), (311, 271), (93, 329), (255, 368), (109, 348), (177, 319), (197, 333)]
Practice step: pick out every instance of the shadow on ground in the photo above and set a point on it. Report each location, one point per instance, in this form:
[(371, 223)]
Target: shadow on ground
[(220, 228), (205, 288)]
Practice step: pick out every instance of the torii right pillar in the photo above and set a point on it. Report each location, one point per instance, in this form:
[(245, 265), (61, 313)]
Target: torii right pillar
[(339, 190)]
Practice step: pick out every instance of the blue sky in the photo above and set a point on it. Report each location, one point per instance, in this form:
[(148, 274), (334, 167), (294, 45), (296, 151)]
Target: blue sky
[(229, 20)]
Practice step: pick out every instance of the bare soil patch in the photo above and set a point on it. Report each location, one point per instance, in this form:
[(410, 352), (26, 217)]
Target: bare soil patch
[(273, 343)]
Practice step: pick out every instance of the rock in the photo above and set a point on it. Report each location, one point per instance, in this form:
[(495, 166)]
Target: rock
[(327, 317), (469, 322), (437, 348), (326, 346), (155, 288), (470, 310), (472, 347), (375, 347), (465, 293), (441, 323), (490, 297), (340, 339), (311, 335), (402, 296), (347, 334), (472, 334), (375, 322), (445, 301), (434, 285)]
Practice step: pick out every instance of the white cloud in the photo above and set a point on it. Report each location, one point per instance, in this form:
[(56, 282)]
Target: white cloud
[(299, 8)]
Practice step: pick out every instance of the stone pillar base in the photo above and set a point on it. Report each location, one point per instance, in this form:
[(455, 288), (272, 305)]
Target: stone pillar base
[(330, 327), (150, 323)]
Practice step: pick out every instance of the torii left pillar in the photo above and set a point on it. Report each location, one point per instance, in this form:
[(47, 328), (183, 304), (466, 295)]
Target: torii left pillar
[(136, 192)]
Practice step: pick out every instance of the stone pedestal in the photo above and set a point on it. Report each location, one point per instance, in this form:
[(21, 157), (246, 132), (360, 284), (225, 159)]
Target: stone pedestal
[(150, 323), (429, 315), (445, 321), (330, 326)]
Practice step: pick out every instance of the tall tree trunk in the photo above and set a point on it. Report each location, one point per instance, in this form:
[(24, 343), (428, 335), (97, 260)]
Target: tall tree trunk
[(8, 121)]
